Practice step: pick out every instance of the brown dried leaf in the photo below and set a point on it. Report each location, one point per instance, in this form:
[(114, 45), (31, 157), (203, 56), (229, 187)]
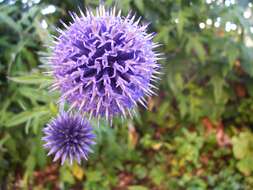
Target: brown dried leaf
[(221, 137)]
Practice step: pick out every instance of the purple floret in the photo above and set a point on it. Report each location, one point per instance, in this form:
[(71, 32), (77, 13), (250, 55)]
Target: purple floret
[(68, 137), (104, 64)]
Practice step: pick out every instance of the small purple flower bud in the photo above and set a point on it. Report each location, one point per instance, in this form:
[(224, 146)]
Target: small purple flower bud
[(104, 64), (68, 137)]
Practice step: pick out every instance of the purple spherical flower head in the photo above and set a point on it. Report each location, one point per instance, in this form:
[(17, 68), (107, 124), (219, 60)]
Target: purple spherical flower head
[(104, 64), (68, 137)]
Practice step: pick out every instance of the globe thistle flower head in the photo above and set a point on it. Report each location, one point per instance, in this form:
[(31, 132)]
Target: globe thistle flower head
[(104, 64), (68, 137)]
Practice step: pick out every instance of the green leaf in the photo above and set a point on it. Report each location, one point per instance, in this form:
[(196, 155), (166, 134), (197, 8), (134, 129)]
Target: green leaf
[(140, 5), (195, 44), (157, 175), (31, 59), (11, 145), (30, 164), (218, 84), (233, 54), (39, 152), (137, 187), (241, 145), (3, 111), (26, 116), (35, 94), (140, 171), (245, 166), (247, 60), (31, 79), (10, 22), (181, 22), (66, 175), (94, 176)]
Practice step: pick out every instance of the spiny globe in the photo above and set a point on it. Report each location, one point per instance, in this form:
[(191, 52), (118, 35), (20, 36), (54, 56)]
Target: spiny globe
[(68, 137), (104, 64)]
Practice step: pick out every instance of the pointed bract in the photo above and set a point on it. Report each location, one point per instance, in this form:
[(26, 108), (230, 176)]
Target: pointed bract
[(104, 64), (68, 137)]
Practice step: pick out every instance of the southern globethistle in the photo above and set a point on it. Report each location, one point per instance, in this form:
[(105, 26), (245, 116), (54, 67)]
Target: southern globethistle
[(68, 137), (104, 64)]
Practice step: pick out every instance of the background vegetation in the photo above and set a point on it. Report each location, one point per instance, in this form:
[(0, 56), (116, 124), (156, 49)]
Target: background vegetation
[(196, 134)]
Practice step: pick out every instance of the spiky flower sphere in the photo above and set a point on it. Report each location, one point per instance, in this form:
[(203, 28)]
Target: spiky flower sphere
[(68, 137), (104, 64)]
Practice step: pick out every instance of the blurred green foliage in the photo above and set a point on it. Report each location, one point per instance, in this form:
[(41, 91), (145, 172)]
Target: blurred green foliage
[(196, 134)]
